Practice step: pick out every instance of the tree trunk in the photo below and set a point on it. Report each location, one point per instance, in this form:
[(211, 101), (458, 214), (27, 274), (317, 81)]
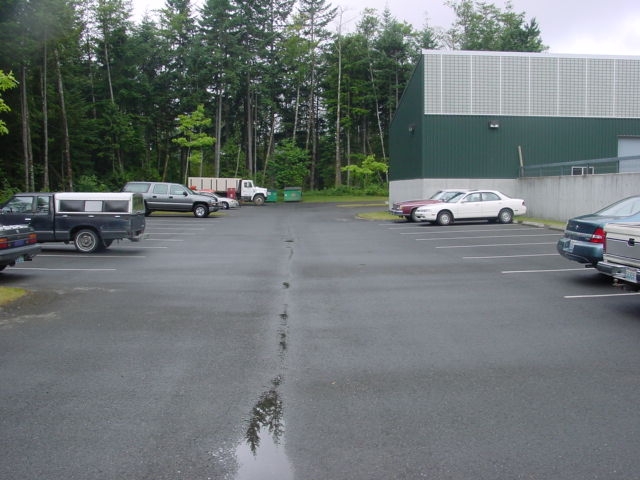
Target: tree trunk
[(375, 95), (270, 147), (295, 115), (26, 132), (118, 167), (65, 126), (45, 122), (216, 161), (338, 164), (249, 127)]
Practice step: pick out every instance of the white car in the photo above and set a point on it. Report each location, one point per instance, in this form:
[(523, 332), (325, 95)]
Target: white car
[(224, 202), (474, 205)]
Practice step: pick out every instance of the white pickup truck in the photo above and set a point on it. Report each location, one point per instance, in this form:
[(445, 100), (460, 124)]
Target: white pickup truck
[(621, 254)]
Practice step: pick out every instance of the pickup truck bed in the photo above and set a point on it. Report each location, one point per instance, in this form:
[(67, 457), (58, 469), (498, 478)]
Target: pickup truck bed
[(621, 256)]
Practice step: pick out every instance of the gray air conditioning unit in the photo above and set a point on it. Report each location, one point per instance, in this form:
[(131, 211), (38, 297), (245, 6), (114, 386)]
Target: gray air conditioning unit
[(581, 170)]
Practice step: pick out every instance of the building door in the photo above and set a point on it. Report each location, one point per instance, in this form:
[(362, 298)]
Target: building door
[(627, 147)]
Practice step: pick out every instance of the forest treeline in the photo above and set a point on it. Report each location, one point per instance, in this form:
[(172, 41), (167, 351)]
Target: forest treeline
[(286, 92)]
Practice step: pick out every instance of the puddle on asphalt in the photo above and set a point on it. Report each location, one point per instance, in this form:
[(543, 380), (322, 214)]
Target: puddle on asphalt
[(262, 455), (268, 463)]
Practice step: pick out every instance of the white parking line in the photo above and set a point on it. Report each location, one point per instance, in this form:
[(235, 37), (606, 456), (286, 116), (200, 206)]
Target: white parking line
[(583, 269), (163, 240), (89, 256), (442, 232), (495, 245), (178, 229), (489, 236), (512, 256), (69, 269), (171, 233), (605, 295)]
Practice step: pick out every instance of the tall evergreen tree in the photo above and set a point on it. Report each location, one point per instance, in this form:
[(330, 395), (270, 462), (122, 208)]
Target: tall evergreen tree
[(219, 45), (179, 75), (316, 16)]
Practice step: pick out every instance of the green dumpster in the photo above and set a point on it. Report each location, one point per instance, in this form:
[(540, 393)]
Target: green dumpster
[(292, 194), (272, 196)]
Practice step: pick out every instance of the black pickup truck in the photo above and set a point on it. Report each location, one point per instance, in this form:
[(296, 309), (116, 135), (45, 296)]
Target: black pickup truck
[(92, 221)]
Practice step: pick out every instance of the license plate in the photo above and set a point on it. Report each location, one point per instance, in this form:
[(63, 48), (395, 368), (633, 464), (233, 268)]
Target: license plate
[(19, 243), (630, 274)]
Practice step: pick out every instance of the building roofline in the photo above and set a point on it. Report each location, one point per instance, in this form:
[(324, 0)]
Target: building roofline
[(525, 54)]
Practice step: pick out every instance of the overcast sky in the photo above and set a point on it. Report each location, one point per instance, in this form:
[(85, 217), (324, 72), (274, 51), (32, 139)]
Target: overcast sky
[(567, 26)]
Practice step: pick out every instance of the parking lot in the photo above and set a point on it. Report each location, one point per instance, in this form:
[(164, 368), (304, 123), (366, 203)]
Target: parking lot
[(518, 249), (298, 341)]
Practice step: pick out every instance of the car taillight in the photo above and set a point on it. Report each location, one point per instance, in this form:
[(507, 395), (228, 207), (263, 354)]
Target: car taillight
[(597, 236), (33, 238), (4, 242)]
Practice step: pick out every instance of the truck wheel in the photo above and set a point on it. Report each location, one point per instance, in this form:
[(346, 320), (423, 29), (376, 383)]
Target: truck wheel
[(200, 211), (87, 241), (258, 200)]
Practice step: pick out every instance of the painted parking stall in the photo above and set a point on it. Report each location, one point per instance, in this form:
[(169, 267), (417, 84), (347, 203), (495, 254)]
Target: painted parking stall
[(514, 250)]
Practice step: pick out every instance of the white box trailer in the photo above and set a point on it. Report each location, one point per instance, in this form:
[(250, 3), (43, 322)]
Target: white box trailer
[(245, 190), (214, 184)]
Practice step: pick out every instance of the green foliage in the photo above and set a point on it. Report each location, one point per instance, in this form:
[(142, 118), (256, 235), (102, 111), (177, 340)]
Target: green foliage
[(289, 165), (7, 81), (484, 26), (346, 192), (7, 191), (192, 128), (194, 137), (369, 171), (90, 183)]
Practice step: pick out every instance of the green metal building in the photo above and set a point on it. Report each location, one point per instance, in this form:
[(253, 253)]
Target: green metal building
[(475, 118)]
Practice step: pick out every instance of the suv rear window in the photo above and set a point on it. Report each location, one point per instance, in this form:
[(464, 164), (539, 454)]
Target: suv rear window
[(138, 187)]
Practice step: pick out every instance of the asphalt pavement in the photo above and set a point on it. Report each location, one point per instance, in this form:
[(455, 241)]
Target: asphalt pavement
[(296, 341)]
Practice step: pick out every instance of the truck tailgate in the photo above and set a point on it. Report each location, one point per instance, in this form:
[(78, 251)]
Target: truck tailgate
[(623, 243)]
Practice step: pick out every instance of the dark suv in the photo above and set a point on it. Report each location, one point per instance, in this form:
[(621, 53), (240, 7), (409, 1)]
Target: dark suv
[(172, 197)]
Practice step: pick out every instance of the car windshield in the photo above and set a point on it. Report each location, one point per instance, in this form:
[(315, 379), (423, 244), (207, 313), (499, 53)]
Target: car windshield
[(444, 195), (455, 198), (623, 208)]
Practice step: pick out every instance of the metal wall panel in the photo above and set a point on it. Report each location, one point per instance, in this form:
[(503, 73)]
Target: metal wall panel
[(531, 84), (465, 146)]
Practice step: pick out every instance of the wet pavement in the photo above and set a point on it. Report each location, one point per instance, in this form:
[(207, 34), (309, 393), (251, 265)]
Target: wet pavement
[(295, 341)]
